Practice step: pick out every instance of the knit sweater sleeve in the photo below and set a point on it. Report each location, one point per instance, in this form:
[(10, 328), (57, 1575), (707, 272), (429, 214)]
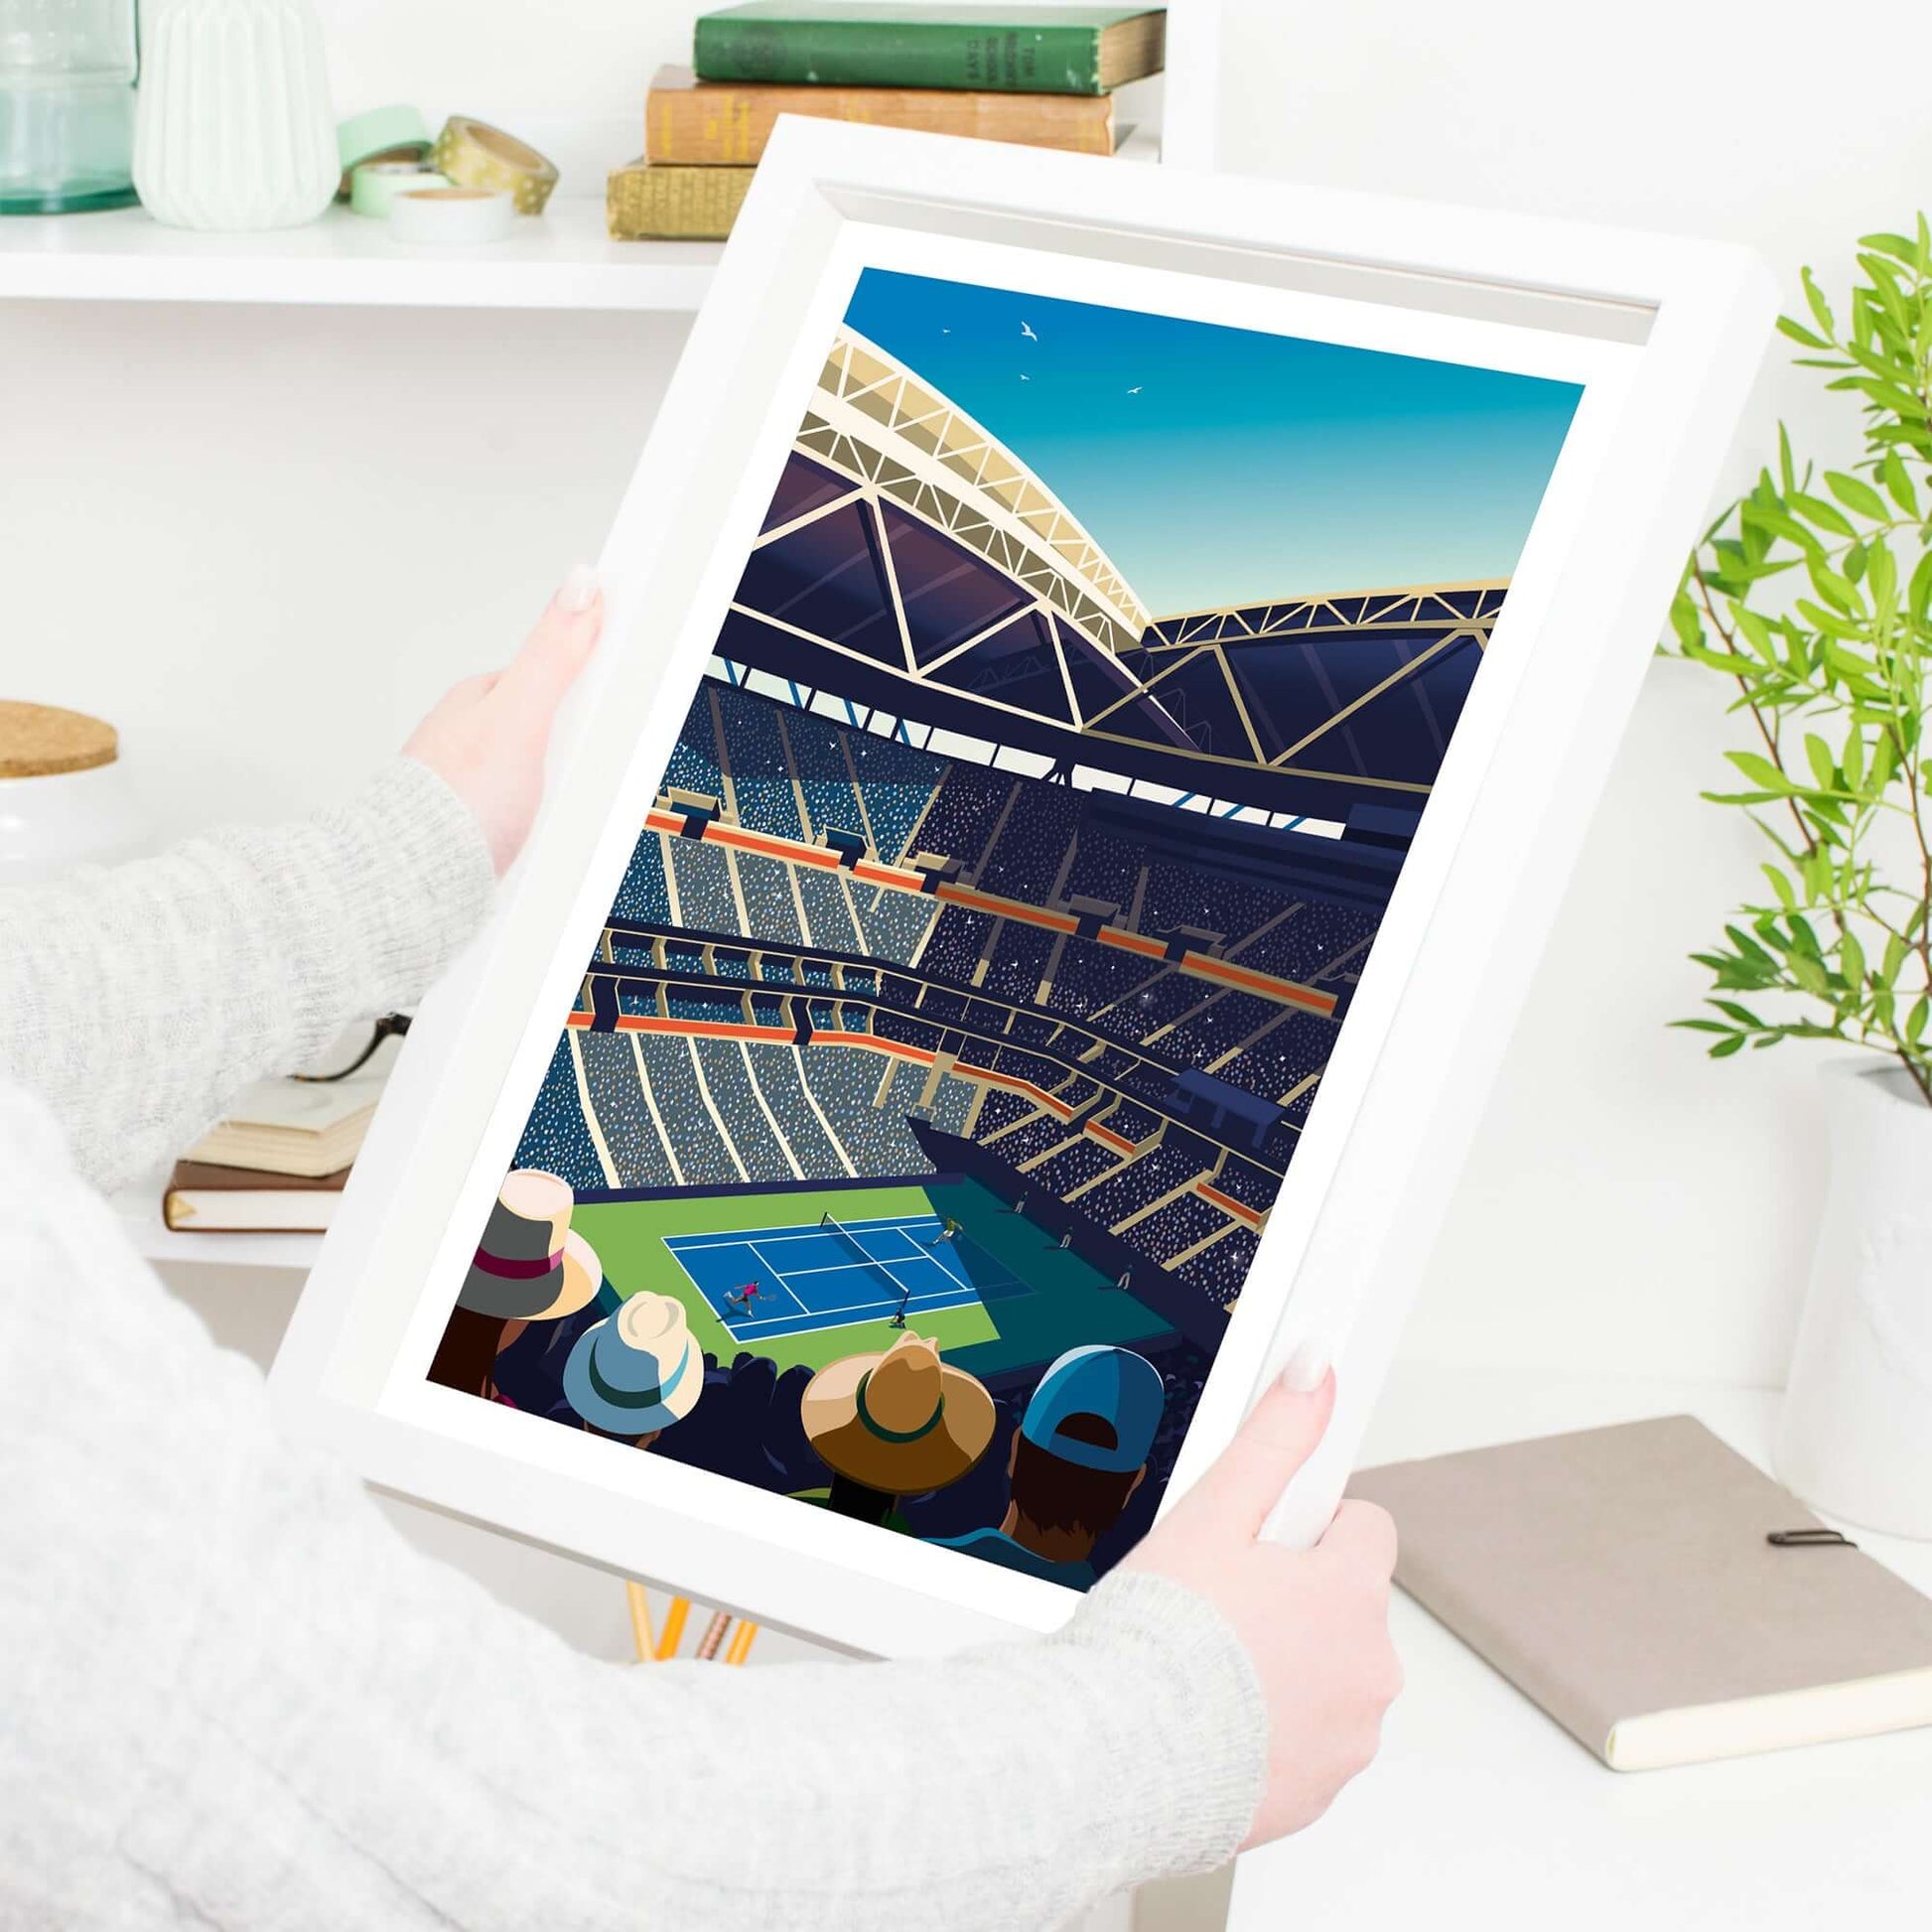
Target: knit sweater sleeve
[(136, 1001), (235, 1695)]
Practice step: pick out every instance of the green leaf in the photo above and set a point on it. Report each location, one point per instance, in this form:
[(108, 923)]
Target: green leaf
[(1819, 755), (1799, 334), (1814, 509), (1898, 483), (1724, 1049), (1821, 310), (1762, 772), (1850, 959), (1856, 494), (1892, 244)]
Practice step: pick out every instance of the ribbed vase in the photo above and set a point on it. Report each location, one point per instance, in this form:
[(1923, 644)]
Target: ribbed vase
[(233, 128)]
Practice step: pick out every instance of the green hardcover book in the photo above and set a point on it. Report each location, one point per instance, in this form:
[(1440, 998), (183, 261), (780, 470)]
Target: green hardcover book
[(860, 44)]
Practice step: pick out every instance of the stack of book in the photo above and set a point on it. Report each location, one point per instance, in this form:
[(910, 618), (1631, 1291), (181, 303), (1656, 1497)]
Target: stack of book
[(1041, 75), (277, 1163)]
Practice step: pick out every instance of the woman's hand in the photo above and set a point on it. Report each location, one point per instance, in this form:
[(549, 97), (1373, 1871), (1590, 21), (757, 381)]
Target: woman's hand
[(486, 738), (1315, 1623)]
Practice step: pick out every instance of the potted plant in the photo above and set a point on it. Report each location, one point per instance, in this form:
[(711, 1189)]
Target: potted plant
[(1812, 594)]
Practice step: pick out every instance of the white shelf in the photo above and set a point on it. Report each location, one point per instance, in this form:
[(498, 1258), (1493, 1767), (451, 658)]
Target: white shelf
[(562, 259), (139, 1207)]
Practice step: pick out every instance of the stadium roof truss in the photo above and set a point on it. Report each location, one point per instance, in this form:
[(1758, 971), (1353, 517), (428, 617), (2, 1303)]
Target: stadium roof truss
[(907, 545), (1370, 683)]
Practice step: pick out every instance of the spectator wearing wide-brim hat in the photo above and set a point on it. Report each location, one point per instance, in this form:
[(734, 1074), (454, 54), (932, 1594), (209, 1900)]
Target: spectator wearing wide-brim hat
[(635, 1372), (532, 1265), (897, 1424)]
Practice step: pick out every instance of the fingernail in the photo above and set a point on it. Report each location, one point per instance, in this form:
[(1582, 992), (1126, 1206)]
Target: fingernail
[(1304, 1371), (578, 592)]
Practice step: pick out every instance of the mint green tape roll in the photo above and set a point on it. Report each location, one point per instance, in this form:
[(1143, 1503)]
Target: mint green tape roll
[(382, 135), (374, 187)]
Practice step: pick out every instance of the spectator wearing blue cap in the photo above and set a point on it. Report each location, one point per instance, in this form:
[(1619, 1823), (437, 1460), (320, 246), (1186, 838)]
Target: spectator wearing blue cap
[(1079, 1452)]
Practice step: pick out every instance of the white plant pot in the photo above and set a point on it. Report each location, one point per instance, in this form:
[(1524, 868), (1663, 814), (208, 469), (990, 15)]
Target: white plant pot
[(55, 821), (1855, 1439), (234, 130)]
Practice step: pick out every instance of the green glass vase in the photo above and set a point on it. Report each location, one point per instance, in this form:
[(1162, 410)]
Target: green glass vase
[(67, 104)]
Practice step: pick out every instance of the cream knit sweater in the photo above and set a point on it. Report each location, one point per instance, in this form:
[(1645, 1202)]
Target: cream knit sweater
[(231, 1696)]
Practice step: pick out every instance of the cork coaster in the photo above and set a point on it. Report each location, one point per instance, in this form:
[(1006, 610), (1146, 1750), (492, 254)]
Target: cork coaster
[(38, 740)]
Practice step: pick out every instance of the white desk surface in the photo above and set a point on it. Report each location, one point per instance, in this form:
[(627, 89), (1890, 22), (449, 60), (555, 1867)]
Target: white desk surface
[(1480, 1810)]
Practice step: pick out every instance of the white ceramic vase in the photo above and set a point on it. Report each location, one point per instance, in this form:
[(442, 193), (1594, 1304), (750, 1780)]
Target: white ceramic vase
[(233, 129), (1855, 1439)]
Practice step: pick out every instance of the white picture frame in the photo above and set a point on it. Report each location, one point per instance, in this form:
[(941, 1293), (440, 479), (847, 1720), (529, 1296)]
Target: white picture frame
[(1663, 335)]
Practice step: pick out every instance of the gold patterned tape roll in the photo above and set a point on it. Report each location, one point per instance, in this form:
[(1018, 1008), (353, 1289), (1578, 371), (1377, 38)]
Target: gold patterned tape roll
[(475, 155)]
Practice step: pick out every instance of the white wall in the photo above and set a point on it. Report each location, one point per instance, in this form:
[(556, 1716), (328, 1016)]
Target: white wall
[(260, 540)]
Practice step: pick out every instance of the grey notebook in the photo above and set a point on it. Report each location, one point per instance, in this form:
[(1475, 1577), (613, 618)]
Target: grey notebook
[(1621, 1579)]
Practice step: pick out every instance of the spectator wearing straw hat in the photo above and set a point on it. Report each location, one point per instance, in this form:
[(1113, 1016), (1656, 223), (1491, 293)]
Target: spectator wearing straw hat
[(1080, 1454), (635, 1372), (532, 1265), (897, 1423)]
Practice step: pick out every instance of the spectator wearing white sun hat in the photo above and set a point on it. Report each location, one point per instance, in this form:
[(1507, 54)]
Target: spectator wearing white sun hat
[(635, 1372)]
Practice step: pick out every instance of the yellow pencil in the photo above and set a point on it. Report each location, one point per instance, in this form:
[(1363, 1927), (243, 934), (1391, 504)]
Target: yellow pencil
[(674, 1619), (741, 1643), (640, 1620)]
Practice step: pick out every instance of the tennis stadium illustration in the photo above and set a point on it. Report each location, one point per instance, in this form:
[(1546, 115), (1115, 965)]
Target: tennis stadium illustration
[(923, 1102)]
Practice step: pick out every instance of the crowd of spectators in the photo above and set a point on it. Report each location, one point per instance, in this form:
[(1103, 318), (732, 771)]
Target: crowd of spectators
[(704, 886), (635, 1147), (760, 773), (1105, 868), (828, 912), (1018, 959), (954, 948), (780, 1078), (702, 1156), (963, 814), (728, 1083), (1174, 1229), (1027, 856), (771, 911), (1141, 1182), (1218, 1272), (899, 785)]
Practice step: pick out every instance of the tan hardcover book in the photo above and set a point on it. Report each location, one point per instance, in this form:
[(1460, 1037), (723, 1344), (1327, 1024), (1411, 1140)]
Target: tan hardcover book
[(1621, 1578), (646, 202), (295, 1127), (202, 1198), (726, 123)]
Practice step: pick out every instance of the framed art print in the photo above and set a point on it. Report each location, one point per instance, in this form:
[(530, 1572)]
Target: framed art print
[(1096, 707)]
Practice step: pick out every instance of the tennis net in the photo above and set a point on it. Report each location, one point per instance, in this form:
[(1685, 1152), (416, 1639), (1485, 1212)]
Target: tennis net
[(831, 1224)]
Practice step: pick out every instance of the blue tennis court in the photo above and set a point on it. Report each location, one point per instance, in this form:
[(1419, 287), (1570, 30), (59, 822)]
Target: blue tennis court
[(818, 1277)]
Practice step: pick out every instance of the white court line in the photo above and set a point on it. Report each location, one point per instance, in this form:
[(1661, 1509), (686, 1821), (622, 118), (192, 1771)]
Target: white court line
[(916, 1306), (798, 1232), (780, 1274)]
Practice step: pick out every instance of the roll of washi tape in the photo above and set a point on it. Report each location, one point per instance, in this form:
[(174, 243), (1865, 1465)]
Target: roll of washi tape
[(453, 215), (374, 186), (382, 135), (475, 155)]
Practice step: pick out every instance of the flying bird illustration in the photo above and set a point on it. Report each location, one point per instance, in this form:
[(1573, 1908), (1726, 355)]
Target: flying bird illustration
[(1137, 389), (1026, 330), (1026, 378)]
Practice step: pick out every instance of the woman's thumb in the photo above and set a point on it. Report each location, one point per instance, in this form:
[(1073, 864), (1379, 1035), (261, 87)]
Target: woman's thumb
[(1279, 1436)]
